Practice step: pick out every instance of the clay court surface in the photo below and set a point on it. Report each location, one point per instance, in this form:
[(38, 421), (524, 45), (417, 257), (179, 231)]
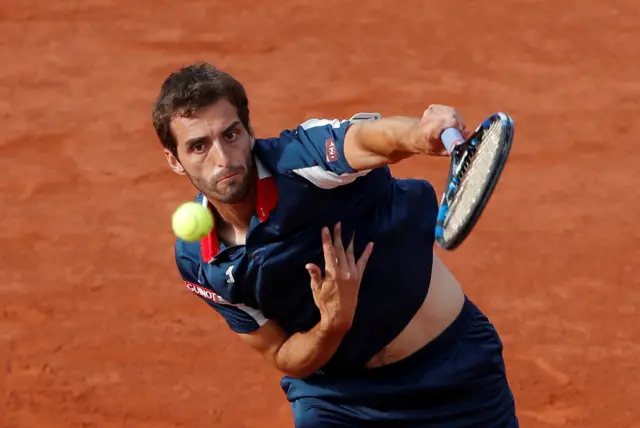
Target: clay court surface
[(96, 327)]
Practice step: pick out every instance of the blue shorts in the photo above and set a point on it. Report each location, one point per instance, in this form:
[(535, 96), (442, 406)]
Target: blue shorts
[(457, 380)]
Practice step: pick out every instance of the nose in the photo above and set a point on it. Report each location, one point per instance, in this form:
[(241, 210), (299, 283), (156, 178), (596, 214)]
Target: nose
[(221, 152)]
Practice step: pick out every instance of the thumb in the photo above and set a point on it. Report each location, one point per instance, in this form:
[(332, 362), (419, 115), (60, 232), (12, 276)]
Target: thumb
[(315, 274)]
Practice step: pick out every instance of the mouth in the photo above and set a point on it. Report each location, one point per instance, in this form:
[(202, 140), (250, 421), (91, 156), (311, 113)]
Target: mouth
[(227, 177)]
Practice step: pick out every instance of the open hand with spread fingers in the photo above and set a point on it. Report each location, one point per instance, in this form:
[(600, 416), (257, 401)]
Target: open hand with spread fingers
[(336, 295)]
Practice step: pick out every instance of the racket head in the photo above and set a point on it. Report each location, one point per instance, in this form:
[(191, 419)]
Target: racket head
[(475, 169)]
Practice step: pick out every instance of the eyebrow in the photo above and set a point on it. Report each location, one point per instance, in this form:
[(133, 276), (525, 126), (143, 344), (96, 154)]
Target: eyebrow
[(195, 140), (203, 139), (230, 127)]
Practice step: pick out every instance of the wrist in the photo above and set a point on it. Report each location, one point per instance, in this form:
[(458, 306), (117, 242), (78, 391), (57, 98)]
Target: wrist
[(414, 141), (409, 139), (333, 326)]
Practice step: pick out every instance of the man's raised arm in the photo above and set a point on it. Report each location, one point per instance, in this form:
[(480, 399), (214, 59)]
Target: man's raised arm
[(371, 144)]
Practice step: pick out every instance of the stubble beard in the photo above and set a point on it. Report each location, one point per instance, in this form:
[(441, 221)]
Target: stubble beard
[(234, 192)]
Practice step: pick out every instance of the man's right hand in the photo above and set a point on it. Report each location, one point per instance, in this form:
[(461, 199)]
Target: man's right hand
[(336, 295), (434, 121)]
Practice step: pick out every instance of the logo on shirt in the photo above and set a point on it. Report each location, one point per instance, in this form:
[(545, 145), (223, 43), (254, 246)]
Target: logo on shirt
[(331, 150), (229, 273), (203, 292)]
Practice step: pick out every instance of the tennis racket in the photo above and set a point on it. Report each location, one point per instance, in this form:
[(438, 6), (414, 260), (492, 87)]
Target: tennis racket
[(476, 166)]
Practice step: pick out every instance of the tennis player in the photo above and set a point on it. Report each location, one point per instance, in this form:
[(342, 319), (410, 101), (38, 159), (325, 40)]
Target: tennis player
[(324, 263)]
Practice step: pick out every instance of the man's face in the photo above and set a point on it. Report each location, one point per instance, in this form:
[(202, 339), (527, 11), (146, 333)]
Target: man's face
[(214, 151)]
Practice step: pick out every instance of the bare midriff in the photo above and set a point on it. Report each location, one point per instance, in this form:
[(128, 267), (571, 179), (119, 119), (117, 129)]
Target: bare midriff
[(440, 308)]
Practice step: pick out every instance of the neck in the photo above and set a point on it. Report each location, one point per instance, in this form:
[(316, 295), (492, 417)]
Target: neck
[(236, 215)]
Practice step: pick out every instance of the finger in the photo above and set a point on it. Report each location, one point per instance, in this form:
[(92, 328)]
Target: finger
[(364, 258), (451, 122), (329, 252), (337, 244), (351, 259), (316, 276), (461, 123), (449, 117), (442, 152)]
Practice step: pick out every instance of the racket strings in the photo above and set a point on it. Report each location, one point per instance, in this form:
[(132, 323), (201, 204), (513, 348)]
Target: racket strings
[(466, 162), (474, 175)]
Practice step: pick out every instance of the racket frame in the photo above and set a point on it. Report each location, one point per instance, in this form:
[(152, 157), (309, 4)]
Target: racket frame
[(458, 155)]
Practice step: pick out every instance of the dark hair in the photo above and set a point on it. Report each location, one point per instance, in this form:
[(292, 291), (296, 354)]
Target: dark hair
[(191, 88)]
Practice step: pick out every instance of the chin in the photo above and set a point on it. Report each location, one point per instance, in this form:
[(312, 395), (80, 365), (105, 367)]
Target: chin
[(230, 192), (232, 195)]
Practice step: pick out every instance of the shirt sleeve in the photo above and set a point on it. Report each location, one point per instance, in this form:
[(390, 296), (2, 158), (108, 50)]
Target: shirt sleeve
[(316, 151), (239, 317)]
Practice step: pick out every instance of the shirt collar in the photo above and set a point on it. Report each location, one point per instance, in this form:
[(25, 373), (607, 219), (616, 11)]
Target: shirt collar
[(266, 201)]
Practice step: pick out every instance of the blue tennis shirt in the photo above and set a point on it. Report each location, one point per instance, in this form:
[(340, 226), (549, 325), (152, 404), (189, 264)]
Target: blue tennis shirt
[(305, 183)]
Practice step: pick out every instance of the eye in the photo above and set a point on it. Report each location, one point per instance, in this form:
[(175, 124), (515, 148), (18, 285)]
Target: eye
[(198, 148), (231, 135)]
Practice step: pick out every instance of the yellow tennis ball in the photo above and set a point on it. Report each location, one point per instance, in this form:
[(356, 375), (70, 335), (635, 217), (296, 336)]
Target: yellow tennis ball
[(192, 221)]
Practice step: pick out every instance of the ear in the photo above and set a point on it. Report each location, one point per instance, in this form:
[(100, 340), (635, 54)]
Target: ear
[(174, 163)]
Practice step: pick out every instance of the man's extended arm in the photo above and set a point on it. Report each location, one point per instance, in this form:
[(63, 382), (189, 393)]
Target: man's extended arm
[(371, 144)]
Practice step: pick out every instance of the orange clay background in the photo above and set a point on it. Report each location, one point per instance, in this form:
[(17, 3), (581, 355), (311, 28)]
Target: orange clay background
[(96, 327)]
